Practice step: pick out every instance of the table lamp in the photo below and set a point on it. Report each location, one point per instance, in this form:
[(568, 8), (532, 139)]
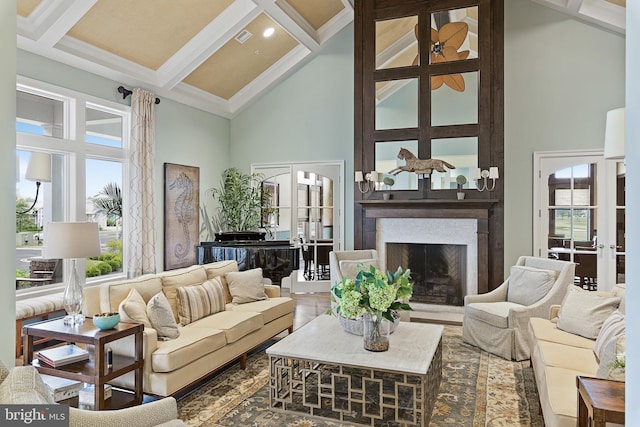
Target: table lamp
[(72, 240)]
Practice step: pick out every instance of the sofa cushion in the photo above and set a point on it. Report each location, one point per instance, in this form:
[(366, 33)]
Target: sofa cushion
[(493, 313), (235, 324), (566, 356), (271, 308), (561, 395), (612, 327), (613, 348), (198, 301), (246, 286), (193, 275), (580, 305), (133, 309), (161, 317), (112, 293), (23, 385), (527, 285), (350, 268), (546, 330), (219, 269), (192, 344)]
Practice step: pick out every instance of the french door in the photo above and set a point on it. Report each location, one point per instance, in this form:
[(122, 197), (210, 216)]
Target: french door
[(579, 214), (305, 207)]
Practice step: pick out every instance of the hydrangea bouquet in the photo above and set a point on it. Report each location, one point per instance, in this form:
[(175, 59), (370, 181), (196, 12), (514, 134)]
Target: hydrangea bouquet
[(373, 295)]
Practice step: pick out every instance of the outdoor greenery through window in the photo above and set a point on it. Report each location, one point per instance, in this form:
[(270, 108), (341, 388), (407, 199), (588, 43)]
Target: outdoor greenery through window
[(86, 139)]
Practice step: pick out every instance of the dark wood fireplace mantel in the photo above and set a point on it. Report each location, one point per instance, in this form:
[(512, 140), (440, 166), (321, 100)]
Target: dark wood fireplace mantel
[(478, 209)]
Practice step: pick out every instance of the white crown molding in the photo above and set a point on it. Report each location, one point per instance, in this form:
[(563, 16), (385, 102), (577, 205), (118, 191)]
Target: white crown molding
[(599, 12), (302, 31)]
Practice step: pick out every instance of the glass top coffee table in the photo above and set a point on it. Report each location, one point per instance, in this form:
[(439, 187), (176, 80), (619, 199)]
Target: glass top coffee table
[(322, 371)]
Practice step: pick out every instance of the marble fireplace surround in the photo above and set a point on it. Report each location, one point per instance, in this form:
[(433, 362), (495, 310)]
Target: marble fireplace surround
[(464, 222)]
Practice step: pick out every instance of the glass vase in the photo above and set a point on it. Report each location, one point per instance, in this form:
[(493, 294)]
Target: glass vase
[(375, 332), (72, 298)]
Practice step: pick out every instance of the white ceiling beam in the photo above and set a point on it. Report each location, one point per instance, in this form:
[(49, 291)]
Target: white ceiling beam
[(336, 24), (573, 6), (62, 21), (599, 12), (395, 49), (293, 24), (212, 37)]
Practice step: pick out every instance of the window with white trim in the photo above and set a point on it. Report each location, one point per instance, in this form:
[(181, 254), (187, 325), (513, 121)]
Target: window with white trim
[(87, 141)]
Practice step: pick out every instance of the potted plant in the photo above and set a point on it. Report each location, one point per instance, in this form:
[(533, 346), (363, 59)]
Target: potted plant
[(239, 209), (374, 296), (461, 180), (388, 181)]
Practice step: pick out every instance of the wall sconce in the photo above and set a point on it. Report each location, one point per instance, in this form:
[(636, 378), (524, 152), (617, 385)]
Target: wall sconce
[(38, 170), (491, 174), (368, 182), (614, 134)]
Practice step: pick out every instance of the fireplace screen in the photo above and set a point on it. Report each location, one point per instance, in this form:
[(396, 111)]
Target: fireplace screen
[(439, 271)]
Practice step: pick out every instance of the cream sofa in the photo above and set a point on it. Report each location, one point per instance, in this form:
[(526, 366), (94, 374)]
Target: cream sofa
[(557, 357), (204, 345), (23, 385)]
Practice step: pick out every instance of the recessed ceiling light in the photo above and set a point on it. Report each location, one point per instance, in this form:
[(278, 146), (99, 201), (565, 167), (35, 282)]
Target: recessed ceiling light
[(269, 32)]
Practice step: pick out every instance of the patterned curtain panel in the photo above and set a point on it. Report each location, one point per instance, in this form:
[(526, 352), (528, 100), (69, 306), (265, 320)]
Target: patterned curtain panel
[(142, 215)]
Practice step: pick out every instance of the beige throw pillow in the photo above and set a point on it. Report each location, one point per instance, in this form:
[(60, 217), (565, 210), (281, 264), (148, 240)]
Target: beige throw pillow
[(133, 309), (198, 301), (528, 285), (161, 317), (246, 286), (351, 268), (583, 312)]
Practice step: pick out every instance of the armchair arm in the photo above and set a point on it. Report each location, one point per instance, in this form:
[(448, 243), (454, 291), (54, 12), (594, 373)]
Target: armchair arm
[(272, 291), (554, 311), (497, 295), (148, 415)]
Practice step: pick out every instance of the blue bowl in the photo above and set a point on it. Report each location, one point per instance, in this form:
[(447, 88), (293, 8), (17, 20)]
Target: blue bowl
[(106, 321)]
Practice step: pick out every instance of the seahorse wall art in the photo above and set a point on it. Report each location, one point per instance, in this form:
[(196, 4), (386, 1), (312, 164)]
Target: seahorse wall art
[(184, 212)]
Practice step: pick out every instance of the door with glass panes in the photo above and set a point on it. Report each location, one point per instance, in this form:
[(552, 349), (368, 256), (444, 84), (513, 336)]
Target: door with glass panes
[(579, 215)]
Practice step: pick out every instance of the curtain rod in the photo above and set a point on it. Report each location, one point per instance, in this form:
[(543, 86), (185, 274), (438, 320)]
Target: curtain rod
[(126, 92)]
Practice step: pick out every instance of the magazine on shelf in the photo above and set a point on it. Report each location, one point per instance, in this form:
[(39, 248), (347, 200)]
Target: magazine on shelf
[(63, 355), (61, 388)]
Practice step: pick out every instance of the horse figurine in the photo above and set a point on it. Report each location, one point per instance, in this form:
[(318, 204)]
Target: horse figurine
[(419, 166)]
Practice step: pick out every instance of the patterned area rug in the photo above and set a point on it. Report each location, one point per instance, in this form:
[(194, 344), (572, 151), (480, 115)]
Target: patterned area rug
[(477, 389)]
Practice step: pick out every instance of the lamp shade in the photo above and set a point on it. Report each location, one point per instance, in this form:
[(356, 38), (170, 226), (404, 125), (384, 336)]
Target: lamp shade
[(39, 167), (614, 134), (71, 240)]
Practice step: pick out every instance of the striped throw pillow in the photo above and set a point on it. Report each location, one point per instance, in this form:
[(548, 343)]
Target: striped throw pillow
[(197, 301), (611, 328)]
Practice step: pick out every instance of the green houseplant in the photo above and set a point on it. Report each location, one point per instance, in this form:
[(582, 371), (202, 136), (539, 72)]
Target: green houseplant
[(239, 204), (373, 295)]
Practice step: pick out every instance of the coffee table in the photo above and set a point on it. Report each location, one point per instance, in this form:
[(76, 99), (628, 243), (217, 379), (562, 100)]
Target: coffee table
[(321, 371)]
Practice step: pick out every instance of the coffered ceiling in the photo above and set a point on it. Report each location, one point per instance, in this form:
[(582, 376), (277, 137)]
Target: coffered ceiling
[(210, 54), (214, 54)]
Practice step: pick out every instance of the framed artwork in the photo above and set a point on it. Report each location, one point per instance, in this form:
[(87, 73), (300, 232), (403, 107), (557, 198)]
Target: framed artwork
[(181, 215), (271, 200)]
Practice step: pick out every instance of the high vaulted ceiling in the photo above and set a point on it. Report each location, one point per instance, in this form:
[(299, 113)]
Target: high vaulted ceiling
[(212, 54)]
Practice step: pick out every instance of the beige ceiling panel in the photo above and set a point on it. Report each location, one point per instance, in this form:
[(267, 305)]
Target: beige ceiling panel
[(25, 7), (622, 3), (235, 65), (317, 13), (472, 12), (147, 32), (392, 30)]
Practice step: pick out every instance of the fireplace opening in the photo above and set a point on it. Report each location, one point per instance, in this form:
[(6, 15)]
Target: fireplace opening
[(439, 271)]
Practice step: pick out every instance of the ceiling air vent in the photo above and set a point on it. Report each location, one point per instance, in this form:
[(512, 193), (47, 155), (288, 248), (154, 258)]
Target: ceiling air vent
[(243, 36)]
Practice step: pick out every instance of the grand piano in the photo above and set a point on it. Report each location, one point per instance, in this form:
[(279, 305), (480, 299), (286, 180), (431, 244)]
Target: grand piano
[(277, 258)]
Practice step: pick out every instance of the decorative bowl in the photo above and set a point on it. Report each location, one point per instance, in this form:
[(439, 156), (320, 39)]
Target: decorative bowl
[(104, 321), (356, 326)]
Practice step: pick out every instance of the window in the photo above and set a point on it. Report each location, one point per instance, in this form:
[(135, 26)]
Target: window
[(86, 139)]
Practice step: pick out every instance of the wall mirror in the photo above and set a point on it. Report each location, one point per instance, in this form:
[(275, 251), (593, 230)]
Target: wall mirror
[(387, 160)]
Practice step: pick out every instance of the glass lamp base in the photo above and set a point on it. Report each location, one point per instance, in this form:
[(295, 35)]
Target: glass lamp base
[(73, 320)]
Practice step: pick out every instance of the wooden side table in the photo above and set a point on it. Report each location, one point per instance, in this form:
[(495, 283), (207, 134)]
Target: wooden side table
[(94, 371), (599, 401)]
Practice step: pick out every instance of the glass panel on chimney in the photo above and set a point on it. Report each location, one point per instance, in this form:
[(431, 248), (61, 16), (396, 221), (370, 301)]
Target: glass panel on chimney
[(454, 35), (103, 127), (39, 115), (397, 104), (396, 42), (454, 99), (459, 156), (387, 163)]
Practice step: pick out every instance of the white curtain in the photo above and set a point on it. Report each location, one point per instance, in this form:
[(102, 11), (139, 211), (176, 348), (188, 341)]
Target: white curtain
[(141, 238)]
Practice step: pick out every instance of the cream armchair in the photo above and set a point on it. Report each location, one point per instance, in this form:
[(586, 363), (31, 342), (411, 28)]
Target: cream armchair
[(497, 321), (344, 263), (23, 385)]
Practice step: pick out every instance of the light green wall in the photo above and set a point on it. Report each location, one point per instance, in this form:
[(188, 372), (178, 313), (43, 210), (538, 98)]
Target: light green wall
[(561, 77), (7, 179), (309, 116), (184, 135)]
